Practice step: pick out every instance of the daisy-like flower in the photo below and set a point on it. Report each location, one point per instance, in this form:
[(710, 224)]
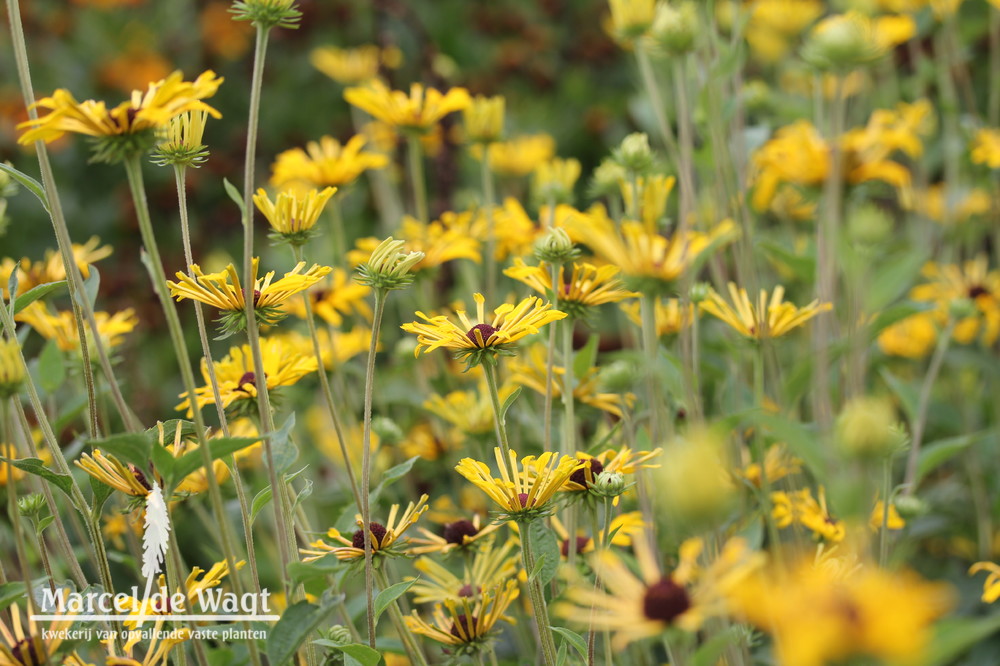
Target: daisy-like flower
[(456, 535), (465, 625), (986, 148), (385, 539), (180, 142), (476, 343), (527, 494), (991, 586), (334, 298), (554, 180), (469, 412), (484, 119), (913, 337), (107, 469), (531, 370), (519, 156), (347, 66), (194, 588), (224, 291), (972, 280), (631, 19), (670, 318), (293, 216), (129, 127), (624, 527), (622, 462), (771, 318), (778, 463), (325, 163), (800, 507), (28, 644), (636, 607), (30, 274), (486, 567), (648, 261), (446, 239), (237, 378), (61, 326), (587, 286), (417, 112), (11, 368)]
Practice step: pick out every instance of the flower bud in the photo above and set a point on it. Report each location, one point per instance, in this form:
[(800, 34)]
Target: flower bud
[(180, 143), (606, 178), (266, 14), (696, 487), (675, 27), (634, 154), (699, 292), (618, 376), (387, 430), (631, 19), (868, 225), (554, 180), (389, 267), (910, 506), (30, 506), (484, 119), (960, 308), (865, 428), (842, 42), (555, 247), (609, 484)]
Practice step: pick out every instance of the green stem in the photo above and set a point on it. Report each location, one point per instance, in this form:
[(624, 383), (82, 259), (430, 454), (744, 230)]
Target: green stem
[(20, 548), (415, 157), (685, 166), (491, 240), (549, 368), (366, 462), (206, 350), (75, 278), (337, 239), (412, 648), (538, 600), (883, 537), (569, 435), (923, 402), (653, 92), (759, 455), (651, 347), (133, 170), (499, 420), (993, 109)]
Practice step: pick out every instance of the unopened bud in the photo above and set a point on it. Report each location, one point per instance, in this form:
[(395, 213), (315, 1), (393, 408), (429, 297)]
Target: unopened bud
[(842, 42), (634, 154), (675, 27), (555, 247), (609, 484), (387, 430), (30, 506), (389, 267), (864, 428)]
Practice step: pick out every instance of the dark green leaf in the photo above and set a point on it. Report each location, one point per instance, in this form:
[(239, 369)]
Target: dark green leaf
[(508, 403), (51, 369), (35, 293), (302, 571), (131, 447), (906, 393), (955, 636), (262, 498), (164, 463), (574, 639), (710, 651), (234, 194), (389, 595), (102, 492), (585, 358), (285, 453), (11, 593), (362, 654), (63, 482), (295, 625), (545, 547), (28, 182), (393, 473), (43, 523), (937, 453)]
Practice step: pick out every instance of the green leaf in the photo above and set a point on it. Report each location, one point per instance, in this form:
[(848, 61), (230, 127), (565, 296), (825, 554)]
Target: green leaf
[(51, 369), (295, 625), (562, 654), (537, 568), (91, 286), (306, 491), (10, 593), (710, 651), (165, 464), (389, 595), (803, 266), (892, 279), (299, 572), (260, 500), (217, 448), (28, 182), (574, 639), (35, 293), (234, 194), (362, 654), (393, 473), (585, 358), (906, 393), (43, 523), (285, 453), (508, 403), (102, 492), (938, 453), (546, 548), (63, 482), (894, 314), (130, 447), (955, 636), (801, 440)]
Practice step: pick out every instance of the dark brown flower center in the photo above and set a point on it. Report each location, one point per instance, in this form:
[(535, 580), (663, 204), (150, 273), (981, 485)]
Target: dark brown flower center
[(139, 476), (256, 296), (665, 600), (485, 330), (522, 499), (247, 378), (319, 295), (468, 627), (977, 290), (457, 531), (468, 591), (378, 531), (581, 543), (26, 652), (580, 475)]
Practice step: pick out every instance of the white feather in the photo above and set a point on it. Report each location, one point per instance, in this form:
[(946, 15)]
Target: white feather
[(155, 538)]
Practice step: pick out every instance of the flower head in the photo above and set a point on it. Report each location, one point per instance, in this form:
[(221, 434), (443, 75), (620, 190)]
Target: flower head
[(325, 163), (347, 66), (986, 148), (180, 142), (488, 565), (525, 495), (385, 539), (518, 156), (107, 469), (61, 325), (456, 535), (670, 318), (465, 625), (293, 216), (418, 111), (482, 341), (224, 291), (389, 267), (129, 127), (770, 318), (266, 14), (586, 287), (484, 119)]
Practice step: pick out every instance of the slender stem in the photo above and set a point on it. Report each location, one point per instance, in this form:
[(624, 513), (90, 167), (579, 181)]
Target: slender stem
[(213, 382), (75, 279), (415, 158), (538, 600), (412, 648), (133, 170), (883, 537), (685, 166), (923, 402), (20, 548), (338, 244), (651, 347), (951, 141), (366, 462), (696, 367), (324, 383), (759, 455), (569, 436), (653, 91), (491, 239), (993, 109), (499, 420), (549, 367)]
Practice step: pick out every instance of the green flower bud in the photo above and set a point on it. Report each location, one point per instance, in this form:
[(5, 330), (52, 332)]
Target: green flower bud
[(266, 14), (389, 268), (865, 428), (843, 42), (675, 27), (868, 225), (618, 376), (387, 430), (634, 154), (30, 506), (609, 484), (555, 247)]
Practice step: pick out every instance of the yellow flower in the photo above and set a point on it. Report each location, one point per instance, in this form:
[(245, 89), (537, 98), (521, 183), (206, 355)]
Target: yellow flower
[(952, 206), (484, 119), (61, 326), (197, 481), (624, 528), (51, 268), (28, 644), (588, 286), (986, 148), (487, 567), (799, 507), (151, 110), (292, 216), (991, 586), (383, 537), (771, 318), (11, 368), (335, 347), (622, 461), (466, 624), (894, 522), (283, 366), (110, 471), (528, 491), (774, 24), (667, 312), (532, 372), (195, 585), (224, 291), (642, 255), (8, 471), (972, 280), (653, 194), (347, 66), (796, 154), (913, 337), (818, 615), (325, 163), (470, 412), (458, 534), (631, 19), (778, 464), (509, 324), (418, 111), (514, 232), (446, 239), (554, 180), (334, 298), (519, 156), (634, 608)]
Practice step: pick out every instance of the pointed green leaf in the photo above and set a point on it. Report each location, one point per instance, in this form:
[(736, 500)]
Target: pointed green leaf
[(511, 399), (35, 293), (295, 625), (574, 639), (285, 452), (954, 637), (937, 453), (51, 368), (63, 482), (393, 473), (585, 358), (130, 447), (389, 595), (218, 448), (546, 548), (28, 182), (234, 194)]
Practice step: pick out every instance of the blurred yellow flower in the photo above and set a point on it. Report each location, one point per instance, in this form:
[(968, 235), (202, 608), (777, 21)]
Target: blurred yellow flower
[(418, 111), (624, 528), (446, 239), (518, 156), (774, 25), (484, 119), (653, 194), (335, 297), (11, 368), (954, 206), (991, 586), (770, 318), (61, 326), (972, 280), (586, 287), (778, 463), (800, 508), (912, 337), (336, 347), (470, 412), (347, 66), (465, 624), (670, 319), (51, 269), (631, 19), (986, 148), (325, 163)]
